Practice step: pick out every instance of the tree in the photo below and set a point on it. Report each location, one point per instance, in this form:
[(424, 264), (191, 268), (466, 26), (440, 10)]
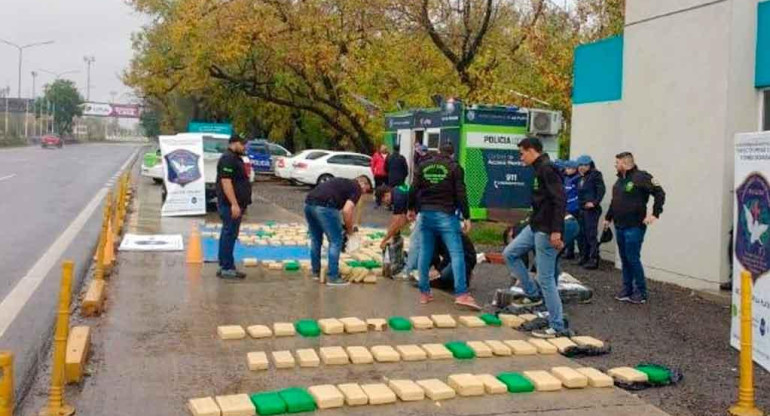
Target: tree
[(149, 121), (66, 103)]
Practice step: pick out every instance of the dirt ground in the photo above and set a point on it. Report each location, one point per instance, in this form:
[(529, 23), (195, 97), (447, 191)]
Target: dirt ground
[(678, 327)]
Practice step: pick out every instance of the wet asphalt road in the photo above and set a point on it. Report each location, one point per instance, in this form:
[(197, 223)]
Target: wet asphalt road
[(42, 191)]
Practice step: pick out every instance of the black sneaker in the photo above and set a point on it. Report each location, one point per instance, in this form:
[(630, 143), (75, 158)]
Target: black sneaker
[(623, 297), (638, 299), (583, 260), (591, 265), (551, 333), (528, 301), (231, 274)]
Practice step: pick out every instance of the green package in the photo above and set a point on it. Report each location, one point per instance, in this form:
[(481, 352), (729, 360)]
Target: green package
[(297, 400), (516, 382), (490, 319), (268, 403), (460, 350), (307, 328), (399, 323)]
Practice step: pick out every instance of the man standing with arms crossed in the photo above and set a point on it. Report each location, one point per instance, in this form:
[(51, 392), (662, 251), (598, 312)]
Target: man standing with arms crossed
[(437, 193), (544, 233), (233, 197), (628, 210)]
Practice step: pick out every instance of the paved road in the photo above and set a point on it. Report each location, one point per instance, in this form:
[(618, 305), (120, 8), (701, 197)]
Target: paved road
[(49, 210)]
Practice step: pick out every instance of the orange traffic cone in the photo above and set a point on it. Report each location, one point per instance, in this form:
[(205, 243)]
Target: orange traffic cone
[(194, 247), (109, 247)]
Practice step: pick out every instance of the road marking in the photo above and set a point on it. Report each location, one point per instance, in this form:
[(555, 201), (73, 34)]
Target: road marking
[(15, 300), (2, 178)]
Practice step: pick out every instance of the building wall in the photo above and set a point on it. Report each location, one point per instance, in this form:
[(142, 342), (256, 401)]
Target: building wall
[(687, 88)]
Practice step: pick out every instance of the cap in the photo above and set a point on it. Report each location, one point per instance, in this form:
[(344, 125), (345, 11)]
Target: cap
[(584, 160), (558, 163), (421, 148), (570, 164)]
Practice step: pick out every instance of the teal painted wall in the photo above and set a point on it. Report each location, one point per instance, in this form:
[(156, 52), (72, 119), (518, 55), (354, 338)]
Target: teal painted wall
[(762, 70), (598, 71)]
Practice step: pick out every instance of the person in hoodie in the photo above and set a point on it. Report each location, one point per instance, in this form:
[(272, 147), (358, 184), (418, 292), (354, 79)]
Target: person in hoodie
[(571, 179), (590, 191)]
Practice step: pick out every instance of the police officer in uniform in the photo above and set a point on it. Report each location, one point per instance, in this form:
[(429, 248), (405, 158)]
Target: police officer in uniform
[(591, 191), (233, 197), (628, 211)]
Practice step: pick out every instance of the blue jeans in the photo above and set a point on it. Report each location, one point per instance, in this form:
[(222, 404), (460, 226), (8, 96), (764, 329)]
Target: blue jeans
[(630, 247), (571, 230), (545, 258), (447, 227), (324, 220), (413, 257), (228, 236)]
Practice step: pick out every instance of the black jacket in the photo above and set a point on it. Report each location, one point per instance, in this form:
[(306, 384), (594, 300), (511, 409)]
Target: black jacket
[(438, 185), (630, 195), (548, 198), (397, 169), (441, 259), (591, 188)]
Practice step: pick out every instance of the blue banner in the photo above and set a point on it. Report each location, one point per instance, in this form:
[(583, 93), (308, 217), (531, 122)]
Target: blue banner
[(218, 128)]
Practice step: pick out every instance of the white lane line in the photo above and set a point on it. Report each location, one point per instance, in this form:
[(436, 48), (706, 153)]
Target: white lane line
[(2, 178), (15, 300)]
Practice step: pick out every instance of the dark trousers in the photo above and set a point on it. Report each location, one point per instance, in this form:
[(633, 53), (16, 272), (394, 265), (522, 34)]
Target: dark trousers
[(630, 247), (230, 230), (569, 246), (588, 240)]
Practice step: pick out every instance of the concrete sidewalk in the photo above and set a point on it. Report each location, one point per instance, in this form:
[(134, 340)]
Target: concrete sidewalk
[(156, 345)]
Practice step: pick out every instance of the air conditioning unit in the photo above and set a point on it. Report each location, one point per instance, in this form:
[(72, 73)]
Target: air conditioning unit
[(544, 122)]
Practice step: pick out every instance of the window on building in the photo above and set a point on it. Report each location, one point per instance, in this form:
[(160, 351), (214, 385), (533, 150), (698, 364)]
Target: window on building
[(766, 110)]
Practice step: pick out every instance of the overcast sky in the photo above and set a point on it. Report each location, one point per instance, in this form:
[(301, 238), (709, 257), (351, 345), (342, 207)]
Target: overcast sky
[(101, 28)]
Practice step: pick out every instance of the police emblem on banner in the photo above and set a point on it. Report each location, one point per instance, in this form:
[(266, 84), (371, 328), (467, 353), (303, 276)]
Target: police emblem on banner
[(752, 237), (182, 167)]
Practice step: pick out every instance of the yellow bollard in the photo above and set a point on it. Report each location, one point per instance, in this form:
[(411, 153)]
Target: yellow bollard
[(6, 383), (99, 271), (745, 405), (56, 405)]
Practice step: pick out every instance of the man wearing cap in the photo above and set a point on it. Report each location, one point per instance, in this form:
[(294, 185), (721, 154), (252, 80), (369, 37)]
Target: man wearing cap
[(233, 197), (628, 210), (590, 194), (571, 179)]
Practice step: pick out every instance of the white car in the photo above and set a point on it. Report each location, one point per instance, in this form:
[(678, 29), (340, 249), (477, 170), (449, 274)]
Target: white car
[(332, 165), (284, 166)]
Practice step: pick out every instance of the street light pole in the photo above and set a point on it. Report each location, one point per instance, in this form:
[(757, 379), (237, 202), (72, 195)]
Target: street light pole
[(88, 60), (21, 48)]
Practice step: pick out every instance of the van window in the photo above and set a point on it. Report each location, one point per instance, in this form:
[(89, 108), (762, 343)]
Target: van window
[(214, 145)]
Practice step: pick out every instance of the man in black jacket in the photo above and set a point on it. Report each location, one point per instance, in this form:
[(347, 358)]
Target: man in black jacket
[(590, 194), (544, 234), (396, 168), (437, 193), (233, 197), (442, 264), (628, 210)]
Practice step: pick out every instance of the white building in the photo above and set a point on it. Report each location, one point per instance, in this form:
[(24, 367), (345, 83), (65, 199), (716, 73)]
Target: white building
[(673, 89)]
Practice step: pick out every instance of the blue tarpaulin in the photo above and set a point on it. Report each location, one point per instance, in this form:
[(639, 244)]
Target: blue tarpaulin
[(211, 249)]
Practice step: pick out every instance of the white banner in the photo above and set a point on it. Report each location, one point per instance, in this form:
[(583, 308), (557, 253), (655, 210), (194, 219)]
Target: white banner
[(183, 175), (490, 140), (152, 242), (751, 244)]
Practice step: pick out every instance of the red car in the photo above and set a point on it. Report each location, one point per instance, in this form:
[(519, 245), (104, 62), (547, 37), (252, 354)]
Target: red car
[(51, 141)]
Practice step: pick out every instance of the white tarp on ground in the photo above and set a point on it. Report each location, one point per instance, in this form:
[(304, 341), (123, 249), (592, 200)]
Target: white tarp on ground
[(751, 220), (152, 242), (184, 178)]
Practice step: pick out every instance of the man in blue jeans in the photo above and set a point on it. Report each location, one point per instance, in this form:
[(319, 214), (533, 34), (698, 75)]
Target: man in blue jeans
[(628, 210), (437, 193), (544, 233), (329, 207), (233, 197)]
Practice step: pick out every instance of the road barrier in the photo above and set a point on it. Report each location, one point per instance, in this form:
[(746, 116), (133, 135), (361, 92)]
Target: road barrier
[(6, 383), (745, 405), (56, 405)]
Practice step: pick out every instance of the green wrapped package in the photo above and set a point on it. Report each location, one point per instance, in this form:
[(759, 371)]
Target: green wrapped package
[(460, 350), (399, 323), (291, 266), (516, 383), (307, 328), (370, 264), (355, 263), (268, 403), (490, 319), (297, 400), (656, 374)]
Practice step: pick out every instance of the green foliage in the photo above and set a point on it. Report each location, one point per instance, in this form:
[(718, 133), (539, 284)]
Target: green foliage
[(65, 103)]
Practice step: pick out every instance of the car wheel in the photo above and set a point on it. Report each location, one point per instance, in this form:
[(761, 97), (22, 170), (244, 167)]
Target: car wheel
[(324, 178), (157, 181)]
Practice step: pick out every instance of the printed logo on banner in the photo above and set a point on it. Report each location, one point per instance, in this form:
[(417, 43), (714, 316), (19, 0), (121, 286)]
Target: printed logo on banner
[(182, 167), (751, 235)]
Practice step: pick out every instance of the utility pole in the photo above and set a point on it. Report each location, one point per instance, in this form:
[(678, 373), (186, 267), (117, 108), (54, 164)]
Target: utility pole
[(21, 48), (5, 92), (34, 106), (88, 59)]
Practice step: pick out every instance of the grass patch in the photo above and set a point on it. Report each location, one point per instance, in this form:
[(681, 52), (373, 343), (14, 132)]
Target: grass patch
[(488, 233)]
